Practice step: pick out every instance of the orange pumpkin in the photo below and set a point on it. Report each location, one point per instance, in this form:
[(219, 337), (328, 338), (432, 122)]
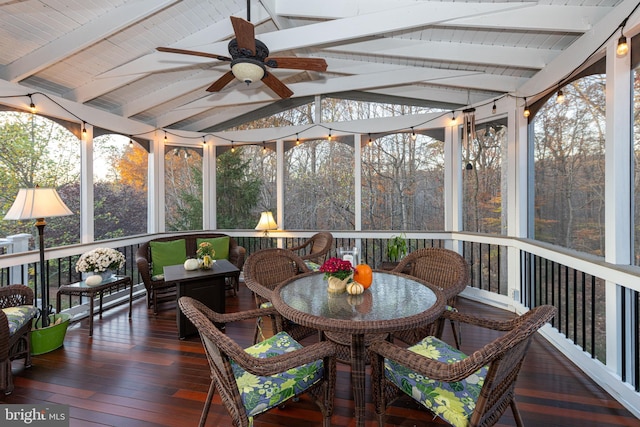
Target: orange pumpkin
[(363, 275)]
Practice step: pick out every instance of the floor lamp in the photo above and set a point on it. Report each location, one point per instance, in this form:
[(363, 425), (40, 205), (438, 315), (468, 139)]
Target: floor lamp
[(38, 203)]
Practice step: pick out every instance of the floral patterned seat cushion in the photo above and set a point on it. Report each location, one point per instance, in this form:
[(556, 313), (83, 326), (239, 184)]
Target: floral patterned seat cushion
[(453, 402), (19, 316), (262, 393)]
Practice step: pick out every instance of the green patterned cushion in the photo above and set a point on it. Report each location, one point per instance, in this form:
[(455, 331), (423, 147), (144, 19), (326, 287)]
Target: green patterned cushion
[(262, 393), (220, 245), (313, 266), (453, 402), (173, 252), (19, 316)]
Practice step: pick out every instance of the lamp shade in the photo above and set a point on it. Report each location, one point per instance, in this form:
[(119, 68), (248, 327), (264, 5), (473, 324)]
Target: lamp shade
[(36, 203), (266, 222)]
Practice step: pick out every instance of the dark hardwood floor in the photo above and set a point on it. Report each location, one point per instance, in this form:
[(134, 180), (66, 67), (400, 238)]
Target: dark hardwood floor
[(138, 373)]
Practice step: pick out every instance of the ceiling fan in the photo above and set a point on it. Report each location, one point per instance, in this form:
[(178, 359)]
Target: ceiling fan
[(250, 59)]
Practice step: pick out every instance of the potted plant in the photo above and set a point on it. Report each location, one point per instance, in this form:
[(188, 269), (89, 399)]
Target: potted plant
[(396, 248)]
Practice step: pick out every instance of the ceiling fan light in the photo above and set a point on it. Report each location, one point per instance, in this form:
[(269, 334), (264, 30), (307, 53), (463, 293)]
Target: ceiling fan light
[(247, 71)]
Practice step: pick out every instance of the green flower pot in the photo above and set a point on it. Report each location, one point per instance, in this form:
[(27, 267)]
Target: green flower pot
[(44, 340)]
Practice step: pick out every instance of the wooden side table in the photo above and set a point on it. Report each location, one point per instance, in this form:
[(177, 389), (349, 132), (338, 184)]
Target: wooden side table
[(82, 289)]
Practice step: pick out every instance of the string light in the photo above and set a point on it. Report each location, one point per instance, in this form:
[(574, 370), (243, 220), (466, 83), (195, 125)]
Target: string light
[(453, 117), (204, 141), (526, 111), (130, 140), (84, 129), (233, 149), (264, 148), (329, 137), (413, 134), (297, 139), (494, 108), (370, 142), (165, 136), (32, 106), (560, 97), (623, 47)]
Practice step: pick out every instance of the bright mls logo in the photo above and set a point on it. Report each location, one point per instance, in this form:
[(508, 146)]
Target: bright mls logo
[(34, 415)]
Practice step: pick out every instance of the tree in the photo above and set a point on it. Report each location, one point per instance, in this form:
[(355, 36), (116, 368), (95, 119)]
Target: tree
[(237, 190)]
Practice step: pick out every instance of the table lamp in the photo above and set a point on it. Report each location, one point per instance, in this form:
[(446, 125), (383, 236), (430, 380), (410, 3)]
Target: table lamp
[(266, 223), (38, 203)]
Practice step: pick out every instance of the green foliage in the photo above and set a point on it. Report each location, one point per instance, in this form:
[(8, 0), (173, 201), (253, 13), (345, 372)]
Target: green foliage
[(396, 248), (238, 191)]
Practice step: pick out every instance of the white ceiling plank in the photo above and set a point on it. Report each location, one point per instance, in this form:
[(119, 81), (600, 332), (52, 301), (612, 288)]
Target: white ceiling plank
[(446, 51), (195, 82), (395, 19), (578, 19), (538, 17), (339, 84), (82, 37), (221, 115), (577, 53)]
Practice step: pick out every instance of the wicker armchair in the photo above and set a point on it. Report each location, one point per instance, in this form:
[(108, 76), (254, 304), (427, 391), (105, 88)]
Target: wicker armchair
[(288, 368), (263, 271), (315, 248), (474, 390), (17, 344), (443, 268)]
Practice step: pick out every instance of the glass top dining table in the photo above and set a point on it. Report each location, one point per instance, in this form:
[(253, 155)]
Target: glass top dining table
[(393, 302)]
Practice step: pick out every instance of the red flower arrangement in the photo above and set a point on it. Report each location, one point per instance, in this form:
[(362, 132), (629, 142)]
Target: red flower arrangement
[(335, 267)]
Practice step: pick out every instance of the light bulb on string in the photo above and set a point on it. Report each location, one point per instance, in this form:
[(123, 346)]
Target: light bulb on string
[(494, 108), (453, 117), (623, 47), (264, 148), (526, 111), (32, 106), (130, 140), (233, 148), (165, 136), (297, 139), (560, 97), (84, 129), (204, 141), (329, 137), (370, 142), (413, 134)]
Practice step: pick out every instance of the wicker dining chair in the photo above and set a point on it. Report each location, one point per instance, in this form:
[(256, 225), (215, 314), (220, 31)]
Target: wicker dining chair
[(463, 391), (263, 271), (279, 364), (446, 270), (315, 248), (16, 315)]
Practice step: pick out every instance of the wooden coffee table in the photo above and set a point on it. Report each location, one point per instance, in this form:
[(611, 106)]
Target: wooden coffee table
[(207, 286)]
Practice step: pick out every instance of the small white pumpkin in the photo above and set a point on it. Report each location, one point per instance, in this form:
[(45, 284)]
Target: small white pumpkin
[(191, 264), (94, 280), (355, 288)]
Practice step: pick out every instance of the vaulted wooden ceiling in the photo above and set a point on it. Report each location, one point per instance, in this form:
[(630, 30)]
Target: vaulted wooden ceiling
[(100, 55)]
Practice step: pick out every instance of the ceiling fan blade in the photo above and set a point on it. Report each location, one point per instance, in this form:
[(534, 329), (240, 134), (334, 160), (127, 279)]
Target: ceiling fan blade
[(221, 82), (193, 52), (276, 85), (295, 63), (245, 34)]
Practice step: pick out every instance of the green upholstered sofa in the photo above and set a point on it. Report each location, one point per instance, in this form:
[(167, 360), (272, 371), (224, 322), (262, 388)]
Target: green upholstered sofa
[(170, 251)]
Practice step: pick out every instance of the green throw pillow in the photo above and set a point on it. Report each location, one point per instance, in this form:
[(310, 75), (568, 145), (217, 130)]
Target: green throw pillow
[(173, 252), (220, 245)]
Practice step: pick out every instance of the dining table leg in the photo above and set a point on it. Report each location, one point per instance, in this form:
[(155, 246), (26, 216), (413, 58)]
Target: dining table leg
[(358, 383)]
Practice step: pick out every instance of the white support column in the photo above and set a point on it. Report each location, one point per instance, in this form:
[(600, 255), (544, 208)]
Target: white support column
[(618, 190), (357, 166), (280, 188), (86, 185), (518, 179), (209, 170), (452, 181), (155, 195)]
